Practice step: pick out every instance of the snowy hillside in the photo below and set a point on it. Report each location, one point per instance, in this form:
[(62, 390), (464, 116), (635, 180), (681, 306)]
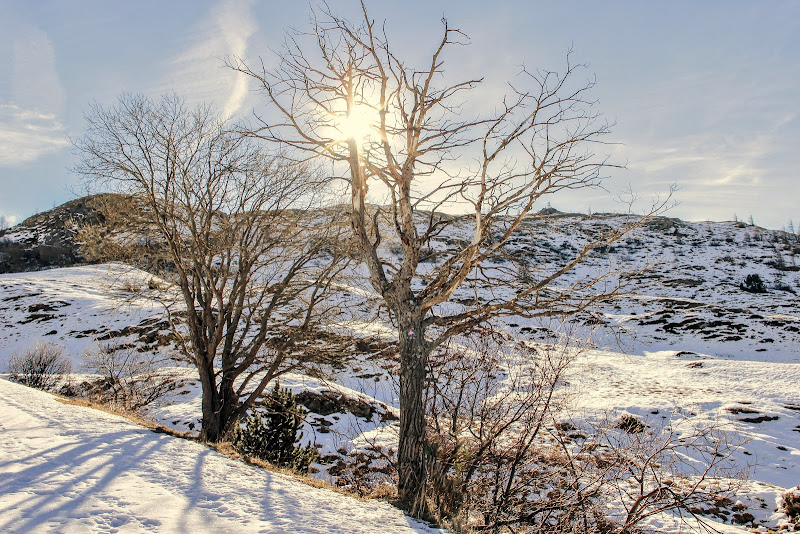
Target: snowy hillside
[(76, 307), (687, 344), (689, 288)]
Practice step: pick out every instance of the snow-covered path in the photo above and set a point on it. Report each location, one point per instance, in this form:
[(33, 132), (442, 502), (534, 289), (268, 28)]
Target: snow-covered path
[(66, 468)]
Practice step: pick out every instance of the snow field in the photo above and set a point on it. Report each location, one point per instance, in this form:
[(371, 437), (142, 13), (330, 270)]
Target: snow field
[(66, 468)]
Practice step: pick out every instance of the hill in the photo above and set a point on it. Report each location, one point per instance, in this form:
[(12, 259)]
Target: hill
[(47, 239), (693, 340)]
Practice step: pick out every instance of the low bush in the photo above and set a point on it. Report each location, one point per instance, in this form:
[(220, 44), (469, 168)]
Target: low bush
[(128, 380), (780, 286), (271, 432), (499, 462), (42, 366)]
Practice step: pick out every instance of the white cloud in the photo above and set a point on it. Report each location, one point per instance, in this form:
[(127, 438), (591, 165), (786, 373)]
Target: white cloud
[(742, 170), (27, 134), (706, 160), (30, 112), (198, 72)]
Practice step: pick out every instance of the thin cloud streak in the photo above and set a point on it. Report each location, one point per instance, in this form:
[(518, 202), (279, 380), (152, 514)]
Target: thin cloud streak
[(718, 176), (31, 123), (237, 26), (35, 83), (198, 71), (704, 163)]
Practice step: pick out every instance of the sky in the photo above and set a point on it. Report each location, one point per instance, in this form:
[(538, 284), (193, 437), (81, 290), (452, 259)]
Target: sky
[(704, 95)]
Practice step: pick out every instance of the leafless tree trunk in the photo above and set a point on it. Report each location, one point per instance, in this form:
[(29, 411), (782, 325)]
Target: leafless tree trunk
[(340, 93), (250, 266)]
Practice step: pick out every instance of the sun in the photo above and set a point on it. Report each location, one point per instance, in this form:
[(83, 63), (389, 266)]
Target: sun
[(359, 124)]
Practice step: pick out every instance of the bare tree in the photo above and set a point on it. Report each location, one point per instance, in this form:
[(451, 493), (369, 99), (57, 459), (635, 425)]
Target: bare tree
[(248, 272), (340, 93), (646, 468)]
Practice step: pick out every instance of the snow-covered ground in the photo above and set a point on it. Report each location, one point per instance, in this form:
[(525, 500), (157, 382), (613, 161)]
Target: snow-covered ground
[(698, 349), (67, 468), (756, 403), (75, 307)]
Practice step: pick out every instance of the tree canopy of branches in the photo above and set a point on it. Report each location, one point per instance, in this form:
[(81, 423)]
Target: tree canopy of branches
[(340, 93), (248, 272)]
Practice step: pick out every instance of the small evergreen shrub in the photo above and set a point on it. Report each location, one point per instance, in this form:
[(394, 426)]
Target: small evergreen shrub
[(754, 284), (272, 431), (42, 366)]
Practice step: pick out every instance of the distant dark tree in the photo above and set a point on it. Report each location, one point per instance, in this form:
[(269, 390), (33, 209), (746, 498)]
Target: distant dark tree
[(753, 284)]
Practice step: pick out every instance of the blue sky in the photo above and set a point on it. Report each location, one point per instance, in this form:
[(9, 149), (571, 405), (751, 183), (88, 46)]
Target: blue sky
[(703, 94)]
